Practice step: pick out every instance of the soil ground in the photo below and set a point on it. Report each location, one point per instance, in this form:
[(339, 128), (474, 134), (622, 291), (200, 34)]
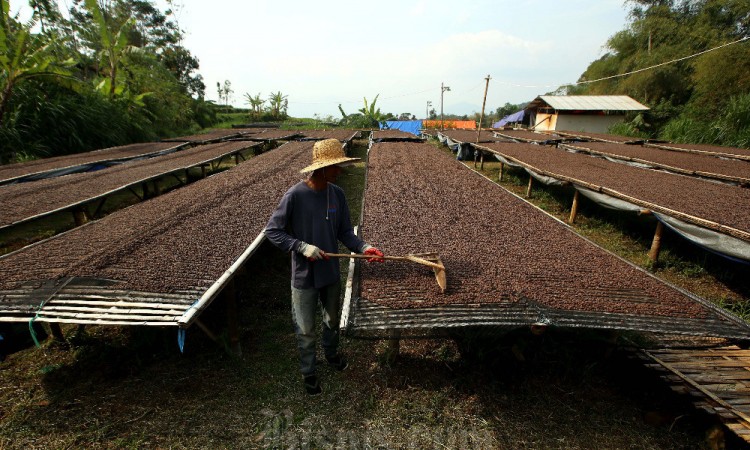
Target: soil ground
[(117, 387)]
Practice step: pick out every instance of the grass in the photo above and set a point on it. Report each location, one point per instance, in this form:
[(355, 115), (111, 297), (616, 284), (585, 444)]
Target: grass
[(129, 387)]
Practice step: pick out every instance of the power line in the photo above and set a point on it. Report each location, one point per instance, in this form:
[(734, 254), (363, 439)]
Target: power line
[(627, 73)]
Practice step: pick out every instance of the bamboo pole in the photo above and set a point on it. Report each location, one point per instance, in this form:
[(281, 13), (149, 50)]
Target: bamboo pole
[(653, 254), (574, 208), (701, 152)]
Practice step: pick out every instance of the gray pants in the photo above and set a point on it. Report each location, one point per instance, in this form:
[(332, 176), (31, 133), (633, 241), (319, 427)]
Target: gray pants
[(304, 307)]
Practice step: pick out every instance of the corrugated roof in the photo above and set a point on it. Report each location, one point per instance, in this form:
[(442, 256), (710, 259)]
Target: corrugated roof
[(593, 102)]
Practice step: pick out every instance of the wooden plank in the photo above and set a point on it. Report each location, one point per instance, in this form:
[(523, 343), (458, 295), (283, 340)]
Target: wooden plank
[(702, 365)]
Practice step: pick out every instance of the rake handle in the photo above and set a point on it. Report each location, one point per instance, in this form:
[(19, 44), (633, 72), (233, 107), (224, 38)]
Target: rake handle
[(357, 255), (415, 259)]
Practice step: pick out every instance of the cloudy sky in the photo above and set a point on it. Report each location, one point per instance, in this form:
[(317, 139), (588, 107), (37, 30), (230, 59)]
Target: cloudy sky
[(330, 52)]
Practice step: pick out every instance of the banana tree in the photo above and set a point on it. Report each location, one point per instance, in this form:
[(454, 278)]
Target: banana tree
[(256, 103), (374, 116), (24, 56), (115, 46), (278, 102)]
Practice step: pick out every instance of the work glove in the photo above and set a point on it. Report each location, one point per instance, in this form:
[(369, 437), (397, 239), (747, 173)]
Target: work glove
[(312, 252), (370, 250)]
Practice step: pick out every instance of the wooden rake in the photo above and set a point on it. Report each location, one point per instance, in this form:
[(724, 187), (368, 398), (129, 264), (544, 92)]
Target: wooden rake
[(426, 259)]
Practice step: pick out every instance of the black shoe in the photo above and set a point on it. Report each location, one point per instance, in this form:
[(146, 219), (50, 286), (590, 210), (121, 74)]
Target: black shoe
[(338, 362), (312, 385)]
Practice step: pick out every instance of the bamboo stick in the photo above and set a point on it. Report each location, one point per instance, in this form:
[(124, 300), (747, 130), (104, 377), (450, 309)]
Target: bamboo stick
[(122, 304), (112, 310), (53, 315), (102, 322)]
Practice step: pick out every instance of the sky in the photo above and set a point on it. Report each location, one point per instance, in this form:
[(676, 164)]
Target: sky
[(330, 52)]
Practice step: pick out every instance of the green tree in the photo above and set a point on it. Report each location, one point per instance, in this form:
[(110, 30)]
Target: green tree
[(24, 56), (278, 104), (114, 44), (667, 31), (256, 104)]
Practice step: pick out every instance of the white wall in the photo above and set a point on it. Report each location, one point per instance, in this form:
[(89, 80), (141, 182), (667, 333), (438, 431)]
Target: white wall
[(593, 124)]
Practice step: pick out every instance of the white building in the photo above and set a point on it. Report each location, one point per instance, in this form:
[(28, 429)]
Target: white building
[(592, 113)]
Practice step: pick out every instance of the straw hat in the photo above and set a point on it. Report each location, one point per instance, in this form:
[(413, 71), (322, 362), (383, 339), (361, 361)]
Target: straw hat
[(328, 152)]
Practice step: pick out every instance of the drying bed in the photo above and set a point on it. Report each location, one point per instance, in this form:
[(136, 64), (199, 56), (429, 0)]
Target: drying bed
[(393, 135), (471, 136), (527, 136), (208, 137), (507, 262), (341, 135), (24, 201), (273, 135), (730, 152), (41, 166), (703, 165), (691, 199), (173, 247), (601, 137)]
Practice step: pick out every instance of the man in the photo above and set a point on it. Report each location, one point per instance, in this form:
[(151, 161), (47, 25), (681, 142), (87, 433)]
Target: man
[(311, 219)]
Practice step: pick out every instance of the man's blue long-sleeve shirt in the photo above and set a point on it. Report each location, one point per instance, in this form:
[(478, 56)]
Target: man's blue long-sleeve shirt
[(318, 218)]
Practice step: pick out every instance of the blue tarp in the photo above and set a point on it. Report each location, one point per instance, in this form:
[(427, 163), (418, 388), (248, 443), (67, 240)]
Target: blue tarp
[(409, 126), (515, 117)]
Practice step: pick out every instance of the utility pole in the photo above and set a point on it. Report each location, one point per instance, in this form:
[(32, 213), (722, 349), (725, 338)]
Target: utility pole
[(427, 111), (443, 88), (484, 102)]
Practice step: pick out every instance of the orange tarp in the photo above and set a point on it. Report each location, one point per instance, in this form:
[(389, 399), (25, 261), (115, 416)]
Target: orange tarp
[(463, 124)]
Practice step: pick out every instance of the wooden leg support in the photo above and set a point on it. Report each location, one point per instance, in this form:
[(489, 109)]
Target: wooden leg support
[(481, 161), (574, 209), (528, 189), (57, 332), (80, 216), (653, 254), (394, 346), (500, 175), (233, 323)]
